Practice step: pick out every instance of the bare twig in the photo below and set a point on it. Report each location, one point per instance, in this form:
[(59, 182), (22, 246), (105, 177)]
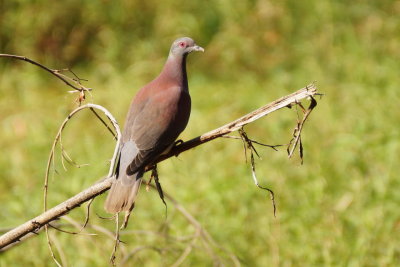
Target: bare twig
[(105, 124), (117, 241), (52, 152), (63, 208), (75, 82), (58, 136), (274, 147), (298, 130), (80, 229), (294, 98), (248, 144), (60, 252), (49, 244), (52, 214)]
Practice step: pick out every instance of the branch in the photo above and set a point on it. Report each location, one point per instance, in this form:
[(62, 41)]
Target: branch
[(38, 222), (297, 131), (57, 139), (35, 224), (286, 101), (75, 83)]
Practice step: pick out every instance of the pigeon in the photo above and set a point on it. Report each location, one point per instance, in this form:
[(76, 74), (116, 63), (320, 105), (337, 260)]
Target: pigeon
[(157, 115)]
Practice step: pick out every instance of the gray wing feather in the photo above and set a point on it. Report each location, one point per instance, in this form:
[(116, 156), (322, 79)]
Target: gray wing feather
[(124, 190), (129, 152)]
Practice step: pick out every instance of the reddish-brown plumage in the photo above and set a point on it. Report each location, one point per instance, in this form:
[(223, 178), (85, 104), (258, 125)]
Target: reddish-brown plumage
[(158, 114)]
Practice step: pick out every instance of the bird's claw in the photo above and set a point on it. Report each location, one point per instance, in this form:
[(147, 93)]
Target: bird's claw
[(178, 142)]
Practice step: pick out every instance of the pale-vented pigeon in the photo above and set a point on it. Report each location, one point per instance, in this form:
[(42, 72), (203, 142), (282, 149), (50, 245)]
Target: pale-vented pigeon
[(157, 115)]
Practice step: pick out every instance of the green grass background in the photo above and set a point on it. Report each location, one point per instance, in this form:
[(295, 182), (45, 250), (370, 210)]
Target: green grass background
[(341, 208)]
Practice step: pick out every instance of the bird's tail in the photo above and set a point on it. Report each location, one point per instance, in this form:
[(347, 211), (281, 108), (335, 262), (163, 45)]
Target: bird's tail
[(123, 193)]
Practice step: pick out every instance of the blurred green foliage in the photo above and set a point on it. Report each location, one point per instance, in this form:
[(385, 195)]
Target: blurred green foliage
[(341, 208)]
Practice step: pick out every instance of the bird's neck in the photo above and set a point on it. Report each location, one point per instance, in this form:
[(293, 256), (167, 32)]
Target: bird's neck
[(175, 70)]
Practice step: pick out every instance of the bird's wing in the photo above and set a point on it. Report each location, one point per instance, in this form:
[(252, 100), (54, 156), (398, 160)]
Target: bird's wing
[(154, 126), (129, 152), (125, 189)]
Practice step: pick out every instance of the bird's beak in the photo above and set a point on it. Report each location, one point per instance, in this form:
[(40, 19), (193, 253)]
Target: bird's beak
[(197, 48)]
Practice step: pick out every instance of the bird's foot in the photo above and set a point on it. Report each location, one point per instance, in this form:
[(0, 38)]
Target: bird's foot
[(178, 142)]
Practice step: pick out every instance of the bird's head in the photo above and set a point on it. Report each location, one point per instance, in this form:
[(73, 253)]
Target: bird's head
[(184, 46)]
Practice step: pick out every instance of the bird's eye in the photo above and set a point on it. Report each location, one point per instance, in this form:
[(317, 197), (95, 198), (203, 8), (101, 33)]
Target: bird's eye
[(182, 44)]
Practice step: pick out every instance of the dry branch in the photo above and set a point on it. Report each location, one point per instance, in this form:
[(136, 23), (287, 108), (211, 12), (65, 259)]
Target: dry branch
[(75, 82), (38, 222), (286, 101), (35, 224)]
